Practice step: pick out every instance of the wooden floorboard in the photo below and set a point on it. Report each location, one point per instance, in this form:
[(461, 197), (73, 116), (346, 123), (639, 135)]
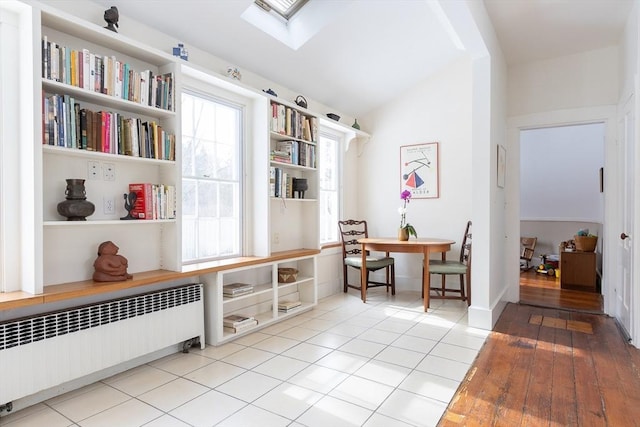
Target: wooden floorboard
[(544, 291), (535, 370)]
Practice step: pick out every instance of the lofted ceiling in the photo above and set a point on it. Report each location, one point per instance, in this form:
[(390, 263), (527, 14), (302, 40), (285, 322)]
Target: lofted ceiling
[(368, 51)]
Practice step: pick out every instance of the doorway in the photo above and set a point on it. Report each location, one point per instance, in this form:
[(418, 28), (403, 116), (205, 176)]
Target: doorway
[(561, 196)]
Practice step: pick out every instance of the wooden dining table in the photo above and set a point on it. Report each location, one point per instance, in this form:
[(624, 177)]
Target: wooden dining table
[(423, 245)]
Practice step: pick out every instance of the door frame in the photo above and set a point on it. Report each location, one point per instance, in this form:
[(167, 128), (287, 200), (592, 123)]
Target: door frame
[(603, 114)]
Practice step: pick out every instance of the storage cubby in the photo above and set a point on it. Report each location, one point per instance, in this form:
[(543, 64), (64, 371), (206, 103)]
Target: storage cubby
[(262, 303)]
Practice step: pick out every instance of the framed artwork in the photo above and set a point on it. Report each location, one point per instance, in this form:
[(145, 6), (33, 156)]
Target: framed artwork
[(502, 165), (420, 170)]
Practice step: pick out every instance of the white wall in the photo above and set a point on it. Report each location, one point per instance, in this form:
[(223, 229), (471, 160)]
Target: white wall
[(439, 110), (579, 88), (573, 81), (559, 173)]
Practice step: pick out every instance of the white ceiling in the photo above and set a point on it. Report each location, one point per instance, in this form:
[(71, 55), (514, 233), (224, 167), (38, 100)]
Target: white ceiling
[(372, 50)]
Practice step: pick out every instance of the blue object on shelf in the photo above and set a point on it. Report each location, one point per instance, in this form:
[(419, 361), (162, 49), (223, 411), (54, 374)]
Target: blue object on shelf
[(181, 52)]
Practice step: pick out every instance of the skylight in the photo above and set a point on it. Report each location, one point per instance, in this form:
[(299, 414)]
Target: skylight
[(284, 8)]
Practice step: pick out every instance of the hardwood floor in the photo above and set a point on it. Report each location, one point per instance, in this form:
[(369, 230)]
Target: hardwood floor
[(544, 291), (550, 367)]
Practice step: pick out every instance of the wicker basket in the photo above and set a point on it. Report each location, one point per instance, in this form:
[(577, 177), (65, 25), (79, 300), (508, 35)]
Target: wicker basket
[(586, 243), (287, 275)]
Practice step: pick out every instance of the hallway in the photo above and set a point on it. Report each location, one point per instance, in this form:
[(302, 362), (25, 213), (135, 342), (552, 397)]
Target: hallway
[(544, 291)]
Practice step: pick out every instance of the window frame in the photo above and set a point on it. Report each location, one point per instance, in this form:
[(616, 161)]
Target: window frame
[(340, 140), (207, 91)]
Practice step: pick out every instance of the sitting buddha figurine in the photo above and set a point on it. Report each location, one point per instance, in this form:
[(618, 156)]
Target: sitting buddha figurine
[(109, 266)]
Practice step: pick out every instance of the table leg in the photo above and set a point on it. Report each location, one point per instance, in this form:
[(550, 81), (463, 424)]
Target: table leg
[(363, 275), (426, 278)]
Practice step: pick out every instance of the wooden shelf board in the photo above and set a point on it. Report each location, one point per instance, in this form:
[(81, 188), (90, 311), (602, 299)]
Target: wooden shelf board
[(66, 291)]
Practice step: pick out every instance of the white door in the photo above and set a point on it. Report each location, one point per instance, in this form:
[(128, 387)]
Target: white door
[(623, 286)]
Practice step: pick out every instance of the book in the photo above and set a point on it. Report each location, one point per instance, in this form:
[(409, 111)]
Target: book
[(236, 320), (284, 306), (237, 288), (143, 207), (241, 327)]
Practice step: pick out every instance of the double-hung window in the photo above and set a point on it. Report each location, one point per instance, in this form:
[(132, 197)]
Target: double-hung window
[(330, 185), (212, 187)]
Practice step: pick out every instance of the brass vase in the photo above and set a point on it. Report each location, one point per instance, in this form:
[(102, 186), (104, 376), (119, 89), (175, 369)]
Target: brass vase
[(76, 207)]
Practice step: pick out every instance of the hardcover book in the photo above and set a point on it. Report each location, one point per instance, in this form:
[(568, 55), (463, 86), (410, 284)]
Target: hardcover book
[(143, 208)]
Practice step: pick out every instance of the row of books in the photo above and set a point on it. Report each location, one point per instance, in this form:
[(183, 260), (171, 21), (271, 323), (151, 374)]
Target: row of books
[(66, 124), (238, 322), (294, 152), (153, 201), (107, 75), (291, 122), (236, 289), (280, 183)]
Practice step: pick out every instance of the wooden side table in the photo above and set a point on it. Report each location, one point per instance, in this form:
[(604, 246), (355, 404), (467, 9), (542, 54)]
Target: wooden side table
[(578, 271)]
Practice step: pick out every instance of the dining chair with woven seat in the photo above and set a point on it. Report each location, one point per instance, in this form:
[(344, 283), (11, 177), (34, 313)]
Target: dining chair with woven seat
[(460, 267), (350, 231)]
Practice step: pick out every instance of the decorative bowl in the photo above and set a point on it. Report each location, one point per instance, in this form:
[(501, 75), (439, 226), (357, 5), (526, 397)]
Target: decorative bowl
[(333, 116)]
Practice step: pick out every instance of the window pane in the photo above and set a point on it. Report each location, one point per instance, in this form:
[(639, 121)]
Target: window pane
[(212, 191), (329, 188)]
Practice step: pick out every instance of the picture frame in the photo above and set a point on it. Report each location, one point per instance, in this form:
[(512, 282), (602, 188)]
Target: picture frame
[(501, 166), (420, 170)]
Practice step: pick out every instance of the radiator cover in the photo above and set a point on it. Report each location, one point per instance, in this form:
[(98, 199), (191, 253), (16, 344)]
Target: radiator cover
[(48, 350)]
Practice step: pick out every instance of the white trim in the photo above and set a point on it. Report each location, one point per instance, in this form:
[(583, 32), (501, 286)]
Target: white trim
[(606, 114)]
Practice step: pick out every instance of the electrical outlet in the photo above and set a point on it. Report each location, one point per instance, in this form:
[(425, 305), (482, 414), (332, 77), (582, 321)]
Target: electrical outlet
[(109, 205), (93, 170), (109, 171)]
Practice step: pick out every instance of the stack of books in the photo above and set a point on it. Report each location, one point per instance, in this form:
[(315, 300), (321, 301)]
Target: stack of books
[(286, 306), (237, 323), (236, 289)]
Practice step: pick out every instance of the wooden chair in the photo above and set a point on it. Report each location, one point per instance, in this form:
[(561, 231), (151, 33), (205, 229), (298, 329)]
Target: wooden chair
[(461, 267), (528, 246), (350, 231)]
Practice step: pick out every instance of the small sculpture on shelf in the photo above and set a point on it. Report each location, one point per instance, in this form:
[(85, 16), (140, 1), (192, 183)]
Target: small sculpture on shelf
[(181, 52), (109, 266), (111, 15), (300, 185), (129, 204), (76, 207), (301, 101)]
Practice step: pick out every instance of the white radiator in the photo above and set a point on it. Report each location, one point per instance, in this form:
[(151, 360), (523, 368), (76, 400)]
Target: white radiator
[(47, 350)]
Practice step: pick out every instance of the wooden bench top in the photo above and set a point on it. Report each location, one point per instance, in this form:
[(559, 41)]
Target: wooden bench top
[(65, 291)]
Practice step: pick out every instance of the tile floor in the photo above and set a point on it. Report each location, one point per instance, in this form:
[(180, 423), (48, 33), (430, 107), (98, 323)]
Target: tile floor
[(345, 363)]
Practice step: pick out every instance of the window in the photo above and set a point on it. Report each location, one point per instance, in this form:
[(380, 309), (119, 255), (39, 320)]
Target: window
[(211, 178), (330, 197), (284, 8)]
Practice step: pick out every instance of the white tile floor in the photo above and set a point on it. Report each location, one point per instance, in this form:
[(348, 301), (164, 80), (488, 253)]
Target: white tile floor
[(345, 363)]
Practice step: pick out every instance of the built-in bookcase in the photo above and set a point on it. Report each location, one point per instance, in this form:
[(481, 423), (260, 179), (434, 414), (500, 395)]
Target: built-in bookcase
[(293, 156), (262, 303), (138, 92)]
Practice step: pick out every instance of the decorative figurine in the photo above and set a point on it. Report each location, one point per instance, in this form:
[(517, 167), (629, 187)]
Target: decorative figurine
[(300, 185), (234, 73), (129, 204), (111, 15), (270, 92), (109, 266), (301, 101), (181, 52)]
